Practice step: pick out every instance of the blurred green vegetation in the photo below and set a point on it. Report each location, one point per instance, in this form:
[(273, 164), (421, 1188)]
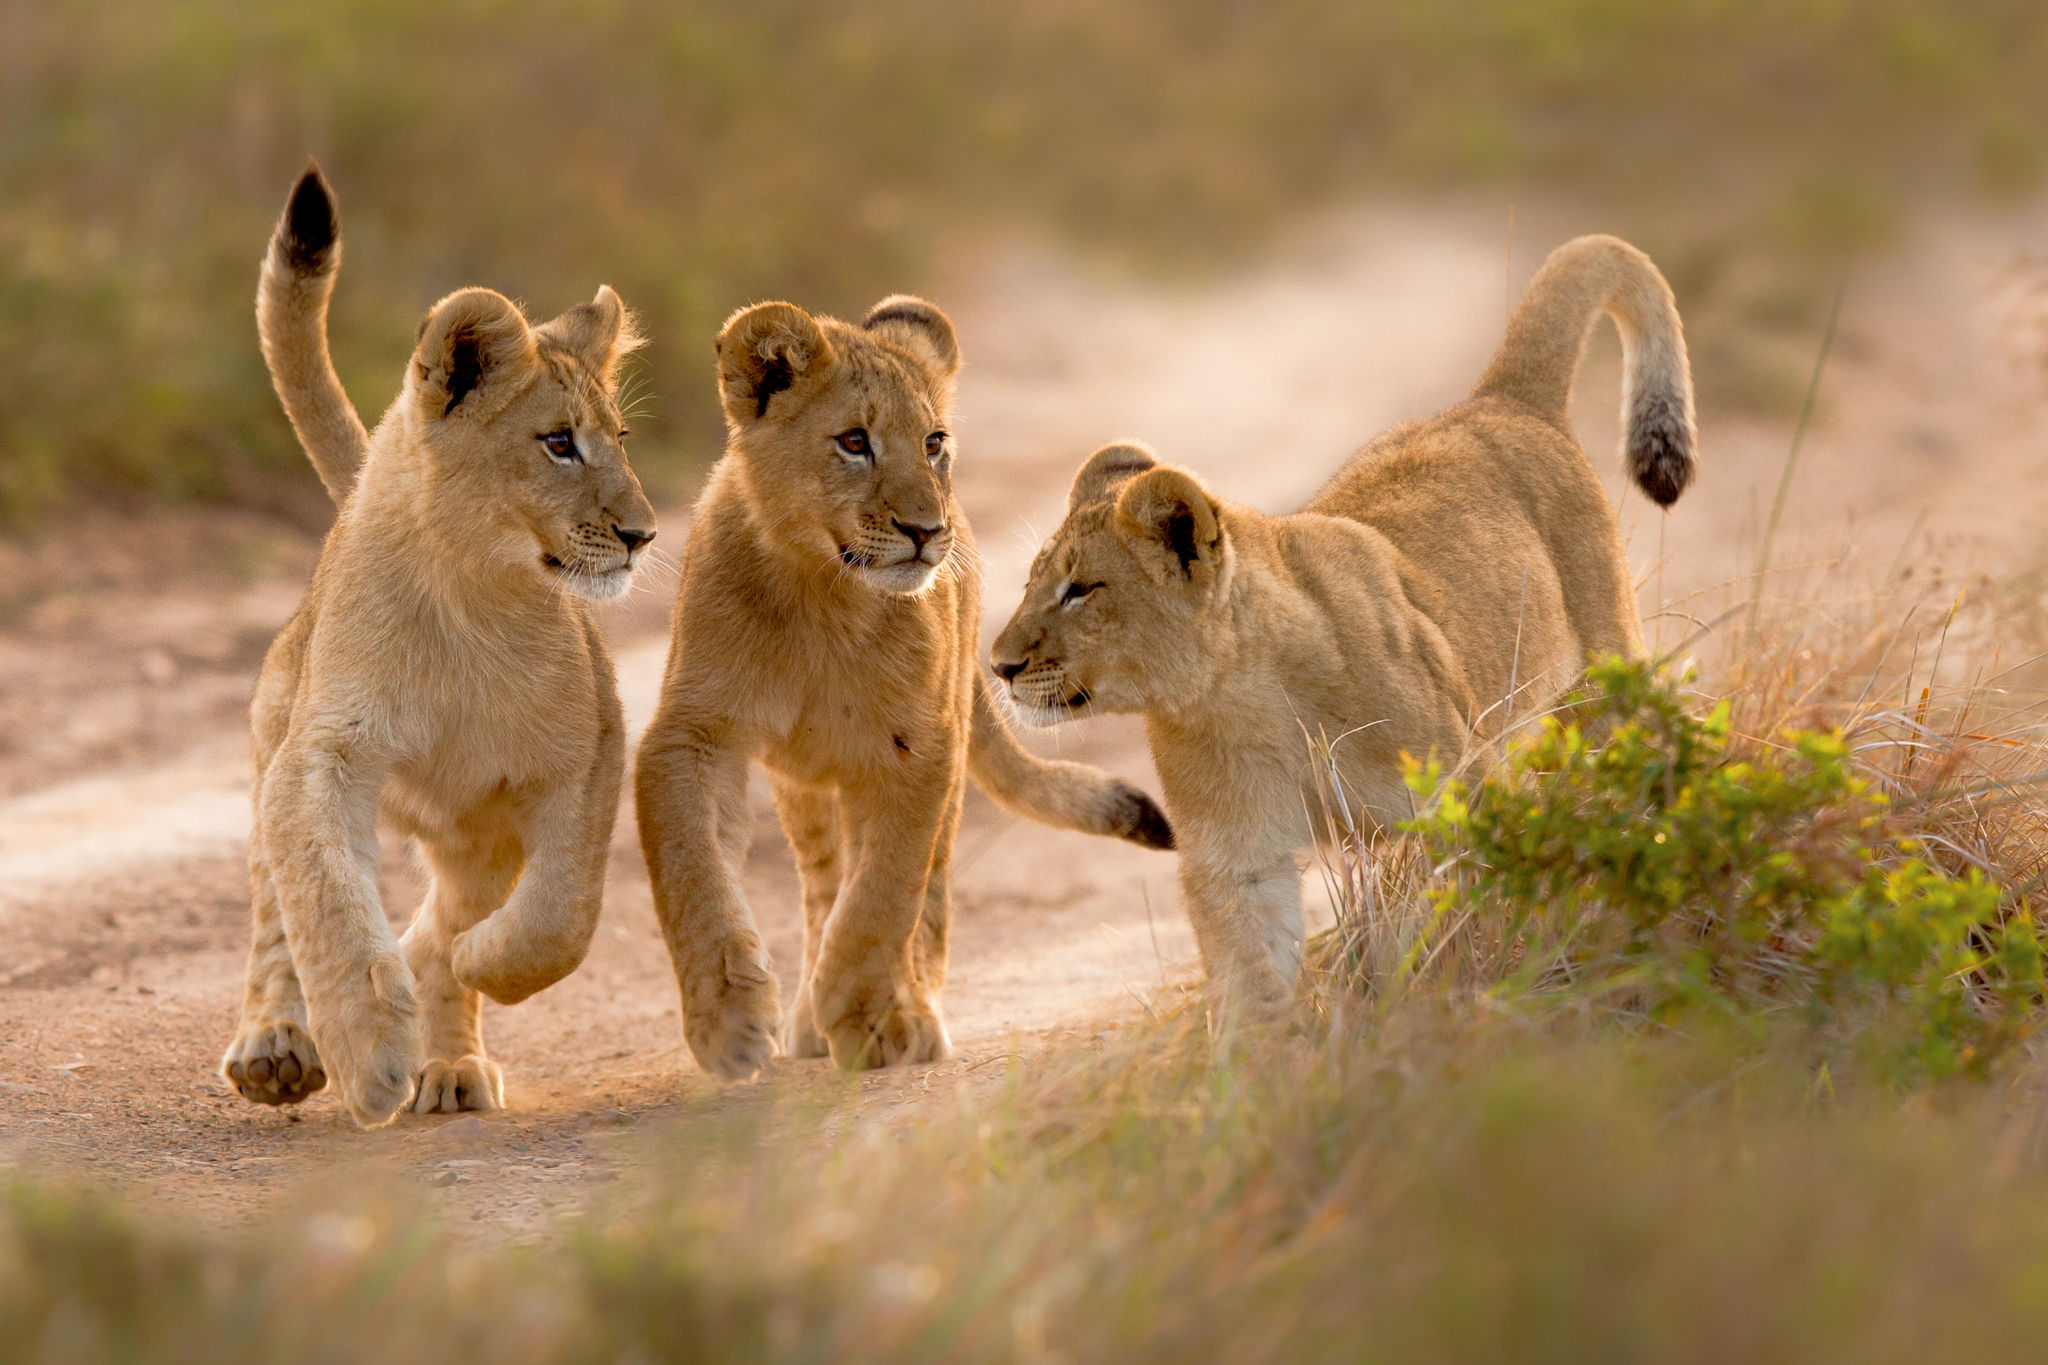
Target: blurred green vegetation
[(699, 155)]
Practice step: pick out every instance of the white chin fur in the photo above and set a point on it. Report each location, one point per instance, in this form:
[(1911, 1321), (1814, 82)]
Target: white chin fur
[(1039, 717), (608, 586), (906, 580)]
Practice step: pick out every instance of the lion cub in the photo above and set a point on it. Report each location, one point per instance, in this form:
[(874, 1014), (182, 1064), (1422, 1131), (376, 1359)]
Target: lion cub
[(444, 673), (826, 624), (1458, 569)]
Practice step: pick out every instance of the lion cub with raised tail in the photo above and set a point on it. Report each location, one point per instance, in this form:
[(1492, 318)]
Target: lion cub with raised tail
[(1458, 570), (444, 672), (826, 624)]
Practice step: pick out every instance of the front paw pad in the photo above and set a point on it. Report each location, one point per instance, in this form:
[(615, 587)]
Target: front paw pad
[(273, 1062)]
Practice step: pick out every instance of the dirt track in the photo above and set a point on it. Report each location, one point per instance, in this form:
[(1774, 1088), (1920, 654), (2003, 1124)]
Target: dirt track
[(123, 773)]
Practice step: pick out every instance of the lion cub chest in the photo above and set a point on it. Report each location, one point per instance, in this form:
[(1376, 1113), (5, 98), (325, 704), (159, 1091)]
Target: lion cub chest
[(480, 726), (871, 709)]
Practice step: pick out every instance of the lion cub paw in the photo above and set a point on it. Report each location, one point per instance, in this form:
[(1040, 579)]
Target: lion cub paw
[(730, 1016), (372, 1045), (470, 1082), (273, 1062), (1253, 998), (888, 1034), (801, 1038), (382, 1084)]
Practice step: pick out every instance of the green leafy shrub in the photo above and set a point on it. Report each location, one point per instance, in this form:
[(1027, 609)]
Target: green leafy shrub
[(1631, 851)]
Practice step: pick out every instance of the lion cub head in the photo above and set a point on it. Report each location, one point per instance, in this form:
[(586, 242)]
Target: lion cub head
[(1118, 614), (840, 436), (520, 443)]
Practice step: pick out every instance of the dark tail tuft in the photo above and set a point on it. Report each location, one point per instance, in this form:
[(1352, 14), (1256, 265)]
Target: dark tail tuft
[(1140, 820), (1660, 457), (311, 226)]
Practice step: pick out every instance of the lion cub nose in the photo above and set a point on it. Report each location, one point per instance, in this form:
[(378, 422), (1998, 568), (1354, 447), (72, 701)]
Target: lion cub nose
[(633, 539), (1006, 669), (918, 535)]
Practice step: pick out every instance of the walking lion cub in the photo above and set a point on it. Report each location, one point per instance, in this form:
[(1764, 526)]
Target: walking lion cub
[(444, 672), (826, 624), (1458, 568)]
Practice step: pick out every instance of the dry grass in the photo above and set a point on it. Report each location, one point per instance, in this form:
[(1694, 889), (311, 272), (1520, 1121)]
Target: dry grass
[(1937, 687), (1412, 1172), (1437, 1187)]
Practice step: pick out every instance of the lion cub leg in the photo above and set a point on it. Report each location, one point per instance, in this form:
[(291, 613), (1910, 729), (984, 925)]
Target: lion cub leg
[(695, 828), (318, 819), (543, 931), (473, 872), (929, 948), (272, 1059), (1246, 912), (866, 992), (810, 820), (1596, 582)]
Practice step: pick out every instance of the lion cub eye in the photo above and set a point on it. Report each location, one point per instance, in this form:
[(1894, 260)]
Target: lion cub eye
[(854, 441), (562, 445), (1077, 593), (935, 445)]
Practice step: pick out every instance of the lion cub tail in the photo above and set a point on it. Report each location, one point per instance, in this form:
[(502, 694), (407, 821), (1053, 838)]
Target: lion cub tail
[(1582, 279), (1069, 795), (291, 320)]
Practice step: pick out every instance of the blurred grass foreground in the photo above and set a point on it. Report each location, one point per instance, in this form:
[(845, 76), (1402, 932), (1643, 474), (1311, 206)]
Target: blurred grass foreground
[(1441, 1193), (1753, 1074), (701, 155)]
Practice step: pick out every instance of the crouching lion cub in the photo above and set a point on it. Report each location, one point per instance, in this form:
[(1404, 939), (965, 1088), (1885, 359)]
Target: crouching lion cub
[(1453, 562), (826, 624), (443, 672)]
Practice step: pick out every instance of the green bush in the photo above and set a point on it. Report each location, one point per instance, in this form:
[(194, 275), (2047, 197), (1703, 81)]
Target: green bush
[(1658, 868)]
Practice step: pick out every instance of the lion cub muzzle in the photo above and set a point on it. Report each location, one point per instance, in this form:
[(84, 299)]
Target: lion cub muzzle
[(598, 563), (1041, 689), (904, 557)]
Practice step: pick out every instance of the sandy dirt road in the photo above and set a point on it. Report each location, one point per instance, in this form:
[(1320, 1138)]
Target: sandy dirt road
[(124, 776)]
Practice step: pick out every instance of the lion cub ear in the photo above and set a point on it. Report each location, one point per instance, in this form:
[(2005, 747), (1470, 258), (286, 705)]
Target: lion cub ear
[(762, 351), (1107, 470), (601, 332), (1167, 509), (918, 326), (471, 345)]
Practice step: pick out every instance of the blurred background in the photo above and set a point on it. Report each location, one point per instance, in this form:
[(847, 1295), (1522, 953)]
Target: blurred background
[(1254, 232), (700, 155)]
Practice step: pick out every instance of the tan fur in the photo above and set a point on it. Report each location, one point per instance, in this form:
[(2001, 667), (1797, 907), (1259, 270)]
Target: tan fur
[(1456, 573), (445, 674), (826, 625)]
